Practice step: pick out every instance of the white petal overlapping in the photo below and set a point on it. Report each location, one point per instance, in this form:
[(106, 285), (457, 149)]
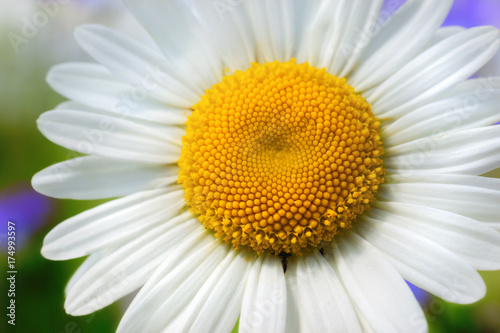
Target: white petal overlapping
[(469, 152), (447, 192), (419, 19), (264, 302), (377, 290), (493, 225), (471, 241), (272, 24), (144, 69), (353, 20), (424, 263), (112, 223), (323, 304), (175, 283), (110, 136), (181, 37), (237, 46), (443, 66), (217, 304), (127, 267), (474, 108), (94, 86), (444, 33), (91, 177), (87, 265)]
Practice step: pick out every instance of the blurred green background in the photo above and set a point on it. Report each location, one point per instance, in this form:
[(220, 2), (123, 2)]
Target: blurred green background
[(24, 95)]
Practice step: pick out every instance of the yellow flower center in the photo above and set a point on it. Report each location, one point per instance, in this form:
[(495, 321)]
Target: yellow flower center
[(280, 158)]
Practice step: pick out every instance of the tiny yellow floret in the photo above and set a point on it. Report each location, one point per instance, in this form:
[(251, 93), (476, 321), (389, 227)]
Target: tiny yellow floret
[(280, 158)]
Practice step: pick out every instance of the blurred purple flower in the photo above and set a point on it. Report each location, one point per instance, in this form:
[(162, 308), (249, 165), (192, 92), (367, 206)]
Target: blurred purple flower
[(421, 295), (28, 209), (465, 13), (392, 5), (471, 13), (97, 4)]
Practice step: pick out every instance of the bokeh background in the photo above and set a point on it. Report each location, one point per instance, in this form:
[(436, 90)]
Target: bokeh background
[(30, 43)]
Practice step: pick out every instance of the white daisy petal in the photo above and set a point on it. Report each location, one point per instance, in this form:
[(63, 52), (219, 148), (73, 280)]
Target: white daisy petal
[(433, 71), (306, 34), (87, 83), (280, 19), (443, 33), (272, 25), (493, 225), (87, 265), (475, 108), (72, 105), (94, 86), (424, 263), (471, 152), (181, 37), (471, 241), (320, 35), (109, 136), (377, 290), (128, 267), (354, 20), (365, 325), (485, 87), (334, 33), (217, 305), (264, 302), (453, 193), (174, 284), (490, 84), (92, 177), (112, 223), (323, 302), (293, 309), (237, 43), (135, 63), (166, 115), (418, 19)]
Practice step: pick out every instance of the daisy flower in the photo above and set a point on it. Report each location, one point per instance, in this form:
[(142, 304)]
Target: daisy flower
[(288, 163)]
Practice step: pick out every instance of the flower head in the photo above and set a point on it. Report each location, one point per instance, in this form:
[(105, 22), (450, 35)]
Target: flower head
[(287, 162)]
